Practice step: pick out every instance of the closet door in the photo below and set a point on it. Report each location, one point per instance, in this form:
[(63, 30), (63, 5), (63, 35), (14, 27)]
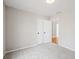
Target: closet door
[(39, 31), (47, 31)]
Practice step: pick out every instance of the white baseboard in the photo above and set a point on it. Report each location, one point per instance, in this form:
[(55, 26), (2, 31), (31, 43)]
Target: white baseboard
[(34, 46), (67, 47), (25, 47), (22, 48)]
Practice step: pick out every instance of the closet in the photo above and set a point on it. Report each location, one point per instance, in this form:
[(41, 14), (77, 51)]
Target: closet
[(44, 30)]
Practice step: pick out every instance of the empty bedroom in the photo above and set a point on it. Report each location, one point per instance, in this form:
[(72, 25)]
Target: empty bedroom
[(39, 29)]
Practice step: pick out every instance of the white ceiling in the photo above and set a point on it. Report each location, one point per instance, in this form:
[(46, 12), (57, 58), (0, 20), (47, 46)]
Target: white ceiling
[(41, 7)]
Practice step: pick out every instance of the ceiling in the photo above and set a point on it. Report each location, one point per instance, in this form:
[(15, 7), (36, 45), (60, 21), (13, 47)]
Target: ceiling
[(41, 7)]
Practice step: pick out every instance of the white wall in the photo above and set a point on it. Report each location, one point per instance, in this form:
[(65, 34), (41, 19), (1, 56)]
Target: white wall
[(21, 28), (67, 30)]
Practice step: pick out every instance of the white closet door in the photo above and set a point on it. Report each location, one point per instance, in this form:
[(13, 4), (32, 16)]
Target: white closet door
[(39, 32), (47, 30)]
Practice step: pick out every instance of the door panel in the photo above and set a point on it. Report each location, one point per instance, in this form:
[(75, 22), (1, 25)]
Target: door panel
[(39, 31), (44, 31), (47, 30)]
